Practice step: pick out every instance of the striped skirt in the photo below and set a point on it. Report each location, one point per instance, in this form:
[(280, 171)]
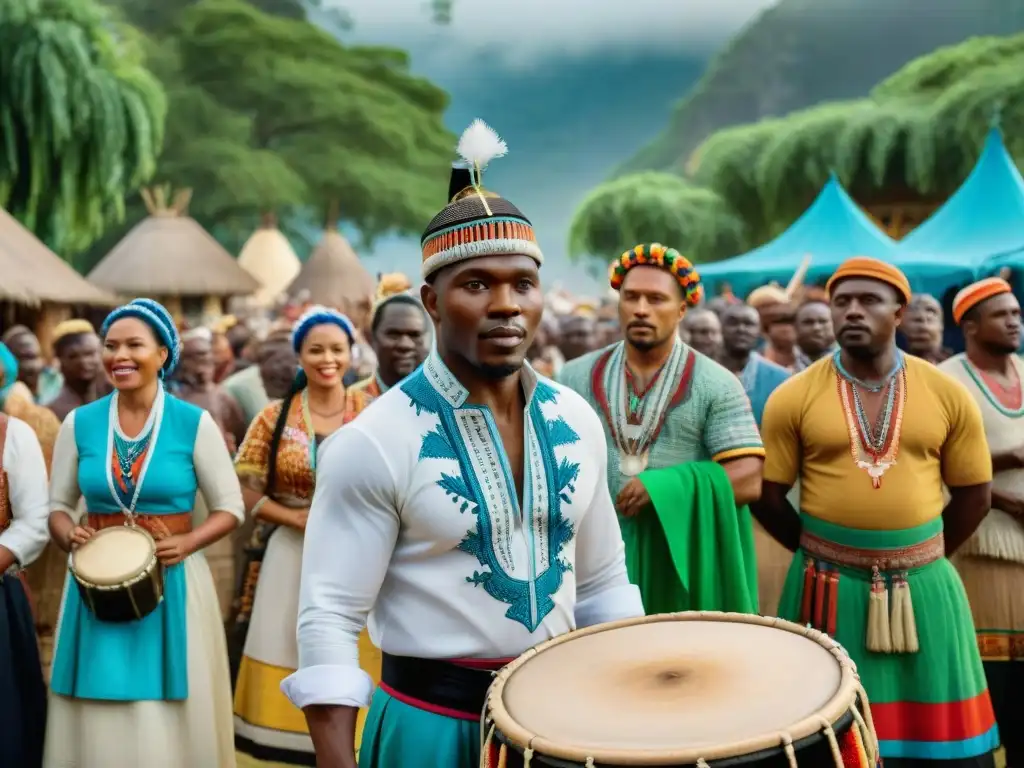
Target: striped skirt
[(932, 704)]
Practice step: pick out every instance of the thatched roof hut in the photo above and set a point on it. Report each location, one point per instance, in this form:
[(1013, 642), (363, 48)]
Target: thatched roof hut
[(268, 256), (37, 287), (35, 275), (170, 257), (334, 276)]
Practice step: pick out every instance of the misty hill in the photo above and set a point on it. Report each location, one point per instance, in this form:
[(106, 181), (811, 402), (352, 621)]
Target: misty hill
[(801, 52)]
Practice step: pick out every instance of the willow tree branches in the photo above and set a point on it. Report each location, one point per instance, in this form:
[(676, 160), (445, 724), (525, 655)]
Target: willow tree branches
[(660, 207), (81, 120)]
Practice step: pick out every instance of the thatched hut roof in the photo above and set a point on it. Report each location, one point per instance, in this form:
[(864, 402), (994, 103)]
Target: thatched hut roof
[(32, 273), (169, 254), (268, 256), (334, 276)]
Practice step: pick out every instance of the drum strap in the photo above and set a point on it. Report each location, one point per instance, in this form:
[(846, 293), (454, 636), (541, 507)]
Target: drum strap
[(442, 687)]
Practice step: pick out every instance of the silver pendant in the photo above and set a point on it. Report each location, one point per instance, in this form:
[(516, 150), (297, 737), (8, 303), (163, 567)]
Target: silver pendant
[(631, 464)]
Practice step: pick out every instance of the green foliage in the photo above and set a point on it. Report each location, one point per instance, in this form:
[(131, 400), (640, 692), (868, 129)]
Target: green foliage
[(81, 120), (799, 53), (656, 207), (727, 163), (933, 74), (364, 135)]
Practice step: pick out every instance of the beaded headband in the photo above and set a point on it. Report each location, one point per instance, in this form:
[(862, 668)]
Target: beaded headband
[(156, 316), (476, 222), (320, 315), (657, 255)]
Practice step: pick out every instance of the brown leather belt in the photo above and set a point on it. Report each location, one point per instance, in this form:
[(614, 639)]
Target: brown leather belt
[(901, 559), (158, 526)]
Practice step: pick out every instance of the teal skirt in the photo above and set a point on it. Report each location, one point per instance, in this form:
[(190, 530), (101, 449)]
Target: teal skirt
[(398, 734), (932, 704)]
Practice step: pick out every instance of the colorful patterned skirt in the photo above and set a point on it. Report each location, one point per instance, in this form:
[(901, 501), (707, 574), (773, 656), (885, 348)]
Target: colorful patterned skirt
[(931, 703), (22, 691), (995, 588)]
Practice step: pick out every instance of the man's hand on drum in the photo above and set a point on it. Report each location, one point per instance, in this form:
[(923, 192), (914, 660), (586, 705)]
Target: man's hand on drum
[(173, 549), (79, 535), (632, 498)]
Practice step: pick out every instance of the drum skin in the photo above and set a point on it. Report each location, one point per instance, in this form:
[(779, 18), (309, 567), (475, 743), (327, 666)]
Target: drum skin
[(685, 689), (118, 575)]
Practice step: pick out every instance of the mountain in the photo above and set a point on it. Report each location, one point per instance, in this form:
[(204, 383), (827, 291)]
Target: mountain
[(801, 52)]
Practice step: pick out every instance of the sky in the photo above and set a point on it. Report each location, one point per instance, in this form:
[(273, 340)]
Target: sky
[(573, 91)]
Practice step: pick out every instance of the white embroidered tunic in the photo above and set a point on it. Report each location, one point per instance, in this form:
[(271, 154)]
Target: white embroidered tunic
[(415, 524)]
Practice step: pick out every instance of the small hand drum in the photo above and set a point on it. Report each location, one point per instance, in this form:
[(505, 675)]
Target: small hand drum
[(684, 689), (118, 574)]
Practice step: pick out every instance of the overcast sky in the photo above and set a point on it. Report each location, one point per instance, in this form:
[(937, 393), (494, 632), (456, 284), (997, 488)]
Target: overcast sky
[(575, 91), (523, 32)]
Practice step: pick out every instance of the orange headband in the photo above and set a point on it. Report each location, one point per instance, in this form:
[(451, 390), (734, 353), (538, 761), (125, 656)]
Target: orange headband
[(872, 269), (975, 293)]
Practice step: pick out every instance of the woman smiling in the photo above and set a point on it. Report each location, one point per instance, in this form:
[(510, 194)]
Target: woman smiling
[(277, 466), (153, 690)]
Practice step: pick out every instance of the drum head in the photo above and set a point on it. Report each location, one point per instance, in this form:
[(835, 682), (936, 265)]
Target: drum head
[(113, 556), (668, 690)]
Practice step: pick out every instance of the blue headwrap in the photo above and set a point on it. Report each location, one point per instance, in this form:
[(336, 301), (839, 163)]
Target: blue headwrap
[(319, 315), (9, 366), (153, 314)]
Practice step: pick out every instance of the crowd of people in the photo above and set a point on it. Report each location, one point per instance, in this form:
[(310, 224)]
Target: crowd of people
[(420, 490)]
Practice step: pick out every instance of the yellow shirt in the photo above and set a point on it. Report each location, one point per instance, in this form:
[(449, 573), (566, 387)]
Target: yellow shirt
[(806, 438)]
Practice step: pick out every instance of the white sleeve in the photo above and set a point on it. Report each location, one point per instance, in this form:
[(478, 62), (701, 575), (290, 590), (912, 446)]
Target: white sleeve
[(64, 490), (27, 489), (350, 536), (603, 591), (215, 472)]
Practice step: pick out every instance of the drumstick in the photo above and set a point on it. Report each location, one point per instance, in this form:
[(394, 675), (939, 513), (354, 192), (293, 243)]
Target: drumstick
[(798, 277)]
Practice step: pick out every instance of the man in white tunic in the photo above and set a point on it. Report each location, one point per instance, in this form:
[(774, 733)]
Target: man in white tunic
[(991, 562), (465, 513)]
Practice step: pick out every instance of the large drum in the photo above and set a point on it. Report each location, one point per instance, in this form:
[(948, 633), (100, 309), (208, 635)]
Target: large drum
[(685, 689), (118, 575)]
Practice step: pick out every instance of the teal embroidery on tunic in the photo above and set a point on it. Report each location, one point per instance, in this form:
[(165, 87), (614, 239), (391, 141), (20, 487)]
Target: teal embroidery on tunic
[(529, 600)]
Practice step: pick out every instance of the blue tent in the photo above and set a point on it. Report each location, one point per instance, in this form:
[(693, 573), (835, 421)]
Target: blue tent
[(832, 230), (980, 228)]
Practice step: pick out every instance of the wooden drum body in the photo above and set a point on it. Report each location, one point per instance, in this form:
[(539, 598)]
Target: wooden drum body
[(118, 575), (687, 689)]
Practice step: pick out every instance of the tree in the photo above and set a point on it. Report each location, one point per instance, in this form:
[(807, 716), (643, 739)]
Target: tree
[(365, 135), (81, 120), (655, 207)]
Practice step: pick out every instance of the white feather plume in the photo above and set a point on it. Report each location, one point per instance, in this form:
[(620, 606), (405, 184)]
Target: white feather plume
[(479, 144)]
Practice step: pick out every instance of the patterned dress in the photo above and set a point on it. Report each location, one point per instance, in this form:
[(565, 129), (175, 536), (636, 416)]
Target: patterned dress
[(267, 726)]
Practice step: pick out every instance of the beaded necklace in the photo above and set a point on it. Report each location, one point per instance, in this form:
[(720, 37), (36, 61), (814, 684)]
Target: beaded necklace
[(126, 452), (873, 447)]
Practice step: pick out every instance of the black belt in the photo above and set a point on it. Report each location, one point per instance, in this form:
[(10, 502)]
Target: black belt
[(437, 683)]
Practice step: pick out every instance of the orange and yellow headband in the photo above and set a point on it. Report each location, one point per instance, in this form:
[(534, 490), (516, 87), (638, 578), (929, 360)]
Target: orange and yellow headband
[(657, 255), (975, 293)]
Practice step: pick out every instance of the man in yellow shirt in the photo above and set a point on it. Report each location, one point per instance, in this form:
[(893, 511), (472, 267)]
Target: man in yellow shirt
[(873, 436)]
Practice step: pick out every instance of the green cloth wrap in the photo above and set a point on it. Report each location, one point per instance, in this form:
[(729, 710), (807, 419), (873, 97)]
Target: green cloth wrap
[(691, 549)]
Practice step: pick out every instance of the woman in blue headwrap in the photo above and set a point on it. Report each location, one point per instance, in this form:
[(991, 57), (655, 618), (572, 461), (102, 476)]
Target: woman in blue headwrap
[(154, 691), (277, 466)]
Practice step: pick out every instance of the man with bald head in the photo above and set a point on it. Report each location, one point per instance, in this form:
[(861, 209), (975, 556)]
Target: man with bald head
[(815, 337), (740, 335), (703, 331), (923, 327)]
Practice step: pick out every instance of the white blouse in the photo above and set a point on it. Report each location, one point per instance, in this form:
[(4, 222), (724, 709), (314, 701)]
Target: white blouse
[(25, 466)]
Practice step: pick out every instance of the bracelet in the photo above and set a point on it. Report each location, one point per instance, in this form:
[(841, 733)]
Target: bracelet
[(258, 505)]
